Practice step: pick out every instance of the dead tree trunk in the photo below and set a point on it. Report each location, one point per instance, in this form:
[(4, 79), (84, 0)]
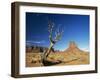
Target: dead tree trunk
[(58, 34)]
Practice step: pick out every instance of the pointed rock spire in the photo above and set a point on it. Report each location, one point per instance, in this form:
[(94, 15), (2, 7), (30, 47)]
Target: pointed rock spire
[(72, 45), (73, 48)]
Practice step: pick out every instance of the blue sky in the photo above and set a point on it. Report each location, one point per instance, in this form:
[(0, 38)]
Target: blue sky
[(76, 28)]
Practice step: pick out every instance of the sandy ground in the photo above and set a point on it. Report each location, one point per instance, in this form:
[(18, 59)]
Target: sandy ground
[(66, 58)]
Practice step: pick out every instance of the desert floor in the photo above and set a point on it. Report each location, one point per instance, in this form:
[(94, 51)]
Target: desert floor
[(66, 58)]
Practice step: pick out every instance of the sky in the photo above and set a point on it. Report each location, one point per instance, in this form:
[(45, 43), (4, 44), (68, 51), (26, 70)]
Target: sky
[(75, 28)]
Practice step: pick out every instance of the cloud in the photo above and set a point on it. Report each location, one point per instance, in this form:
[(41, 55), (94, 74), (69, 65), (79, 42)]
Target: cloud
[(35, 42), (85, 49)]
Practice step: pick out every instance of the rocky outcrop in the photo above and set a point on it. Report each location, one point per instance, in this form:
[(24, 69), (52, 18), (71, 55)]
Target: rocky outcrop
[(73, 49), (71, 56), (36, 49)]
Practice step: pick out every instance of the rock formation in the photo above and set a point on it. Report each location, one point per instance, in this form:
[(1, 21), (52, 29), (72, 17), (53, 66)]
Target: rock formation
[(36, 49), (73, 49), (71, 56)]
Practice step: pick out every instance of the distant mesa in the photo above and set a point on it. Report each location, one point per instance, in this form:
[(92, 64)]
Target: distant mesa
[(70, 56), (72, 46), (36, 49), (73, 49)]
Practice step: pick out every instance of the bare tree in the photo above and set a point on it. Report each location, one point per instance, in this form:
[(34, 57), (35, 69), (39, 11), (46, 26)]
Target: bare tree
[(52, 39)]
